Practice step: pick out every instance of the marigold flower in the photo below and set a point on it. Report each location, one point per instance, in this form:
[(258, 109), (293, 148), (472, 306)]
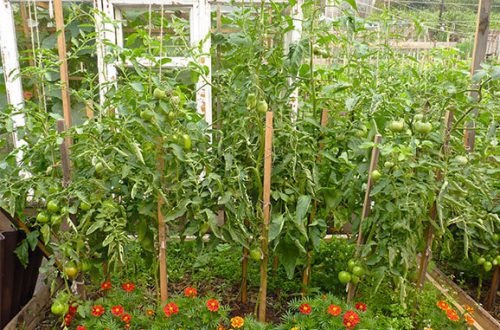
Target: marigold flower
[(81, 327), (128, 287), (190, 292), (237, 322), (127, 326), (117, 310), (468, 318), (97, 310), (295, 328), (170, 309), (305, 309), (213, 305), (67, 319), (106, 285), (221, 327), (452, 315), (443, 305), (351, 319), (469, 309), (126, 318), (360, 306), (150, 312), (334, 310)]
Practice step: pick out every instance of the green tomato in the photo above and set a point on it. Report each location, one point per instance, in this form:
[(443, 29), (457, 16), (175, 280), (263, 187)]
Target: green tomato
[(498, 259), (99, 167), (255, 254), (344, 277), (58, 308), (418, 117), (52, 206), (262, 106), (461, 160), (495, 262), (56, 220), (147, 115), (358, 271), (42, 217), (84, 206), (496, 238), (351, 264), (376, 175), (487, 266), (396, 125), (388, 165), (70, 270), (355, 279), (251, 100), (159, 94), (187, 142), (423, 127), (481, 261)]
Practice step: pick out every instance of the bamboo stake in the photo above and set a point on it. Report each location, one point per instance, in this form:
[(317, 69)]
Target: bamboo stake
[(266, 212), (162, 235), (61, 49), (427, 253), (306, 276), (351, 288)]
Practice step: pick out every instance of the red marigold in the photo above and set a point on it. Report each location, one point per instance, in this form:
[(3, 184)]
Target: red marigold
[(443, 305), (351, 319), (334, 310), (213, 305), (360, 306), (190, 292), (67, 319), (170, 309), (126, 318), (81, 327), (97, 310), (129, 286), (469, 319), (117, 310), (305, 309), (106, 285), (452, 315)]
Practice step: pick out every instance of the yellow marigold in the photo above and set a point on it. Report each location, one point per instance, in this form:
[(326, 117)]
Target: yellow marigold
[(295, 328), (237, 322)]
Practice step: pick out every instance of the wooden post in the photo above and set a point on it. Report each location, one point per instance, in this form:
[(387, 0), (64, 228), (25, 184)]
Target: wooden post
[(61, 49), (244, 276), (429, 235), (306, 276), (478, 54), (66, 167), (492, 293), (162, 235), (268, 147), (351, 288)]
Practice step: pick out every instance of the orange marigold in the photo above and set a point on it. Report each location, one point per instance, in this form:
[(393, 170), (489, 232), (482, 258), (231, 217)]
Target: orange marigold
[(334, 310), (452, 315), (237, 322), (213, 305), (443, 305), (468, 318)]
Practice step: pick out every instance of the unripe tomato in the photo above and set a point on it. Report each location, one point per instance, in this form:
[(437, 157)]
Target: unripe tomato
[(344, 277), (496, 238), (84, 206), (388, 165), (52, 206), (70, 270), (187, 142), (481, 261), (358, 271), (255, 254), (147, 115), (251, 100), (487, 266), (351, 264), (58, 308), (159, 94), (376, 175), (423, 127), (418, 117), (462, 160), (262, 106), (99, 167), (355, 279), (56, 220), (396, 126), (42, 217), (361, 131)]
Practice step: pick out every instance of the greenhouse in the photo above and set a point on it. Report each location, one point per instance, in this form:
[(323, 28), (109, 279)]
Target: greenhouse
[(244, 164)]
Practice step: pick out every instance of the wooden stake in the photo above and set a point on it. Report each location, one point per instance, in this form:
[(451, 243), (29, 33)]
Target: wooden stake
[(162, 235), (244, 275), (61, 49), (351, 288), (268, 147), (492, 293), (429, 236), (478, 55), (65, 162)]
